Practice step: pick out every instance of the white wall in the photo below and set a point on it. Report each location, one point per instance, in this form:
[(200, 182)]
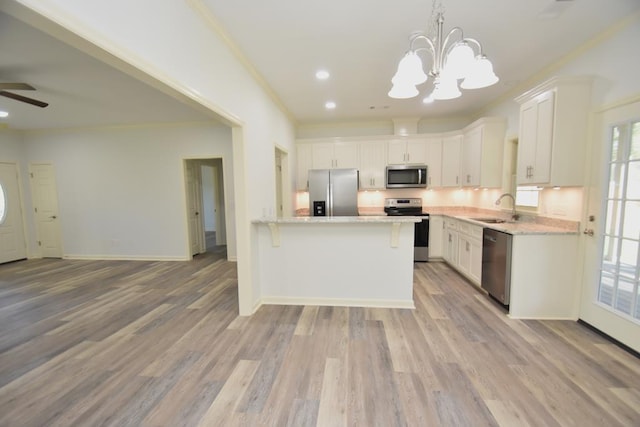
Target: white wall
[(121, 191)]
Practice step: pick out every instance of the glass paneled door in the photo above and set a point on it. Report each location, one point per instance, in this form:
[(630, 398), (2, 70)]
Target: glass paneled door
[(611, 296), (620, 248)]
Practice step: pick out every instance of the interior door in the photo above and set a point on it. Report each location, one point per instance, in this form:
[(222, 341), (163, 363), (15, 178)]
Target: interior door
[(12, 239), (45, 205), (611, 295), (194, 207)]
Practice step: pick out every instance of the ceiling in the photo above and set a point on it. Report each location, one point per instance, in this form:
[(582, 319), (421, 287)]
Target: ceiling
[(358, 41), (81, 90), (361, 41)]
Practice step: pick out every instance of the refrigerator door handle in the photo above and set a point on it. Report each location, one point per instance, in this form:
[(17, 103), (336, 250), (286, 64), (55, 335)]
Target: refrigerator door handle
[(330, 199)]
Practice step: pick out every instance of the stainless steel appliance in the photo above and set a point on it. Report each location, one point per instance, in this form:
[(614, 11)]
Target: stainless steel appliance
[(412, 207), (496, 264), (333, 192), (406, 176)]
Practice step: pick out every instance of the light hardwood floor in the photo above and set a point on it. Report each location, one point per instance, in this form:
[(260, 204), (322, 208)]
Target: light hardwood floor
[(86, 343)]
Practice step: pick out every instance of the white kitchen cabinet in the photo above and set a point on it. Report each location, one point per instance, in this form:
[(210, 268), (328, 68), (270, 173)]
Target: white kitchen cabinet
[(470, 251), (436, 227), (450, 242), (303, 153), (482, 153), (434, 162), (451, 150), (373, 160), (553, 132), (407, 151), (334, 155)]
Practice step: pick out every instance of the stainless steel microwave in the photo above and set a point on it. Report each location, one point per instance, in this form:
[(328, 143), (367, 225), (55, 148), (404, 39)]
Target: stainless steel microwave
[(406, 176)]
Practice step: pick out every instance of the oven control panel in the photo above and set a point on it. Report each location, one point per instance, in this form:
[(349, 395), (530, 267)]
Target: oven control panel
[(403, 203)]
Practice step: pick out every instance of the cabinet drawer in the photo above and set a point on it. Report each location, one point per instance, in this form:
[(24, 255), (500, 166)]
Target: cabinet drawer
[(476, 231), (464, 227), (451, 224)]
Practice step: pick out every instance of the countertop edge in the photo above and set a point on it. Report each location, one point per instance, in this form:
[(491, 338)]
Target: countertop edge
[(340, 220), (517, 228)]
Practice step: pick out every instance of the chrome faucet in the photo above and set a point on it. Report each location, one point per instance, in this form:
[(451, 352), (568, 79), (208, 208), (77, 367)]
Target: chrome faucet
[(514, 215)]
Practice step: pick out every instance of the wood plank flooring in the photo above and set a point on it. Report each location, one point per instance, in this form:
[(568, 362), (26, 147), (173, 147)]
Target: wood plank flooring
[(124, 343)]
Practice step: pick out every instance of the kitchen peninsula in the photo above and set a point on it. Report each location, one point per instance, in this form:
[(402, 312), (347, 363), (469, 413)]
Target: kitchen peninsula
[(364, 261)]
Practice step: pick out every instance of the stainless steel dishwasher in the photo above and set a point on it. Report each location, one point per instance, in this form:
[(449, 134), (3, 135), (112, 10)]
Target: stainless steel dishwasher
[(496, 264)]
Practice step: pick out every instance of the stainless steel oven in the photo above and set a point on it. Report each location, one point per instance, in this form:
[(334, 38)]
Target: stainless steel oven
[(412, 207)]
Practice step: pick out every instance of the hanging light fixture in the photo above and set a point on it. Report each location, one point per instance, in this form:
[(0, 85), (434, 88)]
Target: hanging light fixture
[(452, 59)]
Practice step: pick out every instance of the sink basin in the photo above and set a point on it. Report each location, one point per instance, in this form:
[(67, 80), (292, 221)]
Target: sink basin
[(489, 220)]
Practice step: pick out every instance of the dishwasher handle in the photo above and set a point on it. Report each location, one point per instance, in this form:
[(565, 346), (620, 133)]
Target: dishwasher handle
[(490, 238)]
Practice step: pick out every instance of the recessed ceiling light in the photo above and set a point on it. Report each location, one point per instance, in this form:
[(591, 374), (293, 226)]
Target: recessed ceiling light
[(330, 105), (3, 114), (322, 75)]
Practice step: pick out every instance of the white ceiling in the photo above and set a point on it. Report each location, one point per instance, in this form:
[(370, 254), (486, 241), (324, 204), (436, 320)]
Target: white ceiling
[(358, 41), (361, 41), (81, 90)]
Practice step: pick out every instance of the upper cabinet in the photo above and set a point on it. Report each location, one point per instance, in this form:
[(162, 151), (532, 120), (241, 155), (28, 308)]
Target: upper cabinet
[(553, 132), (434, 162), (407, 151), (304, 164), (373, 160), (451, 150), (482, 153), (335, 155)]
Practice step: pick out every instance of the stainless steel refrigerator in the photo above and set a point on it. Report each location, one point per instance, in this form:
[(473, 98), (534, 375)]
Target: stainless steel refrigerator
[(333, 192)]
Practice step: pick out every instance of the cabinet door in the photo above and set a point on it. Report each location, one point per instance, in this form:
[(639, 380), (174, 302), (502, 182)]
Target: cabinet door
[(451, 161), (436, 226), (416, 152), (434, 162), (535, 140), (471, 158), (475, 269), (322, 155), (397, 152), (303, 152), (464, 254), (544, 139), (345, 155), (373, 160)]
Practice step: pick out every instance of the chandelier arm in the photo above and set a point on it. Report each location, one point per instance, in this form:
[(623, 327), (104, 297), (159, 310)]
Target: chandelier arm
[(477, 43)]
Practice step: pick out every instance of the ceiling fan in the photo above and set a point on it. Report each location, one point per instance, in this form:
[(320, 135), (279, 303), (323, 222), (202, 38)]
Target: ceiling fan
[(20, 86)]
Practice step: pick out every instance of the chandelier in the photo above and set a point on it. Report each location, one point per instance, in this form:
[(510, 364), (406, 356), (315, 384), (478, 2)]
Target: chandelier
[(453, 58)]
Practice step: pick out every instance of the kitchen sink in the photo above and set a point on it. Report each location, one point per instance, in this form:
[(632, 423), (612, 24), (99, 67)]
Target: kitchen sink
[(489, 220)]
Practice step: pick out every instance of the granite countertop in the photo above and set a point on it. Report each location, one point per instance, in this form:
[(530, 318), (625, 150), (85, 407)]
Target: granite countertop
[(526, 224)]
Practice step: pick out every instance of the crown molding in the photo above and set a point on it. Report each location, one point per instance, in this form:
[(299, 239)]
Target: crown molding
[(214, 25)]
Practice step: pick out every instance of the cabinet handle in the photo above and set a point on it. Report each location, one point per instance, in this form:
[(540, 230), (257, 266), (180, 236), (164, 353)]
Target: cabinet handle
[(456, 180), (468, 178), (429, 180), (467, 246)]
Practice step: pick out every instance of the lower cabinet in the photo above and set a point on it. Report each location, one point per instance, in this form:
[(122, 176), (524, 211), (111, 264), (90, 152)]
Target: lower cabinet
[(436, 227), (463, 243), (450, 242)]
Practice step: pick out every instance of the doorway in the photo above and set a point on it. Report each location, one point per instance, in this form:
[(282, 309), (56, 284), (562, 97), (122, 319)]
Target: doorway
[(283, 191), (206, 212), (611, 294), (12, 236)]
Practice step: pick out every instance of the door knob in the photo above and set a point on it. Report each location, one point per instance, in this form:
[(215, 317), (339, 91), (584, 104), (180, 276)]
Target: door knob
[(588, 232)]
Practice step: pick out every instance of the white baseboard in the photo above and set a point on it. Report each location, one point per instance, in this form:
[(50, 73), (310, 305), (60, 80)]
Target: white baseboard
[(337, 302)]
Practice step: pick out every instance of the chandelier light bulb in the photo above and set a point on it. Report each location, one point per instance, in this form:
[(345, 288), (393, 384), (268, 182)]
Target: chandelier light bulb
[(403, 91), (447, 88), (410, 70), (459, 61), (481, 75)]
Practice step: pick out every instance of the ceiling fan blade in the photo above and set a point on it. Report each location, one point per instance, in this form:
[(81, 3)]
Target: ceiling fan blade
[(16, 86), (23, 99)]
